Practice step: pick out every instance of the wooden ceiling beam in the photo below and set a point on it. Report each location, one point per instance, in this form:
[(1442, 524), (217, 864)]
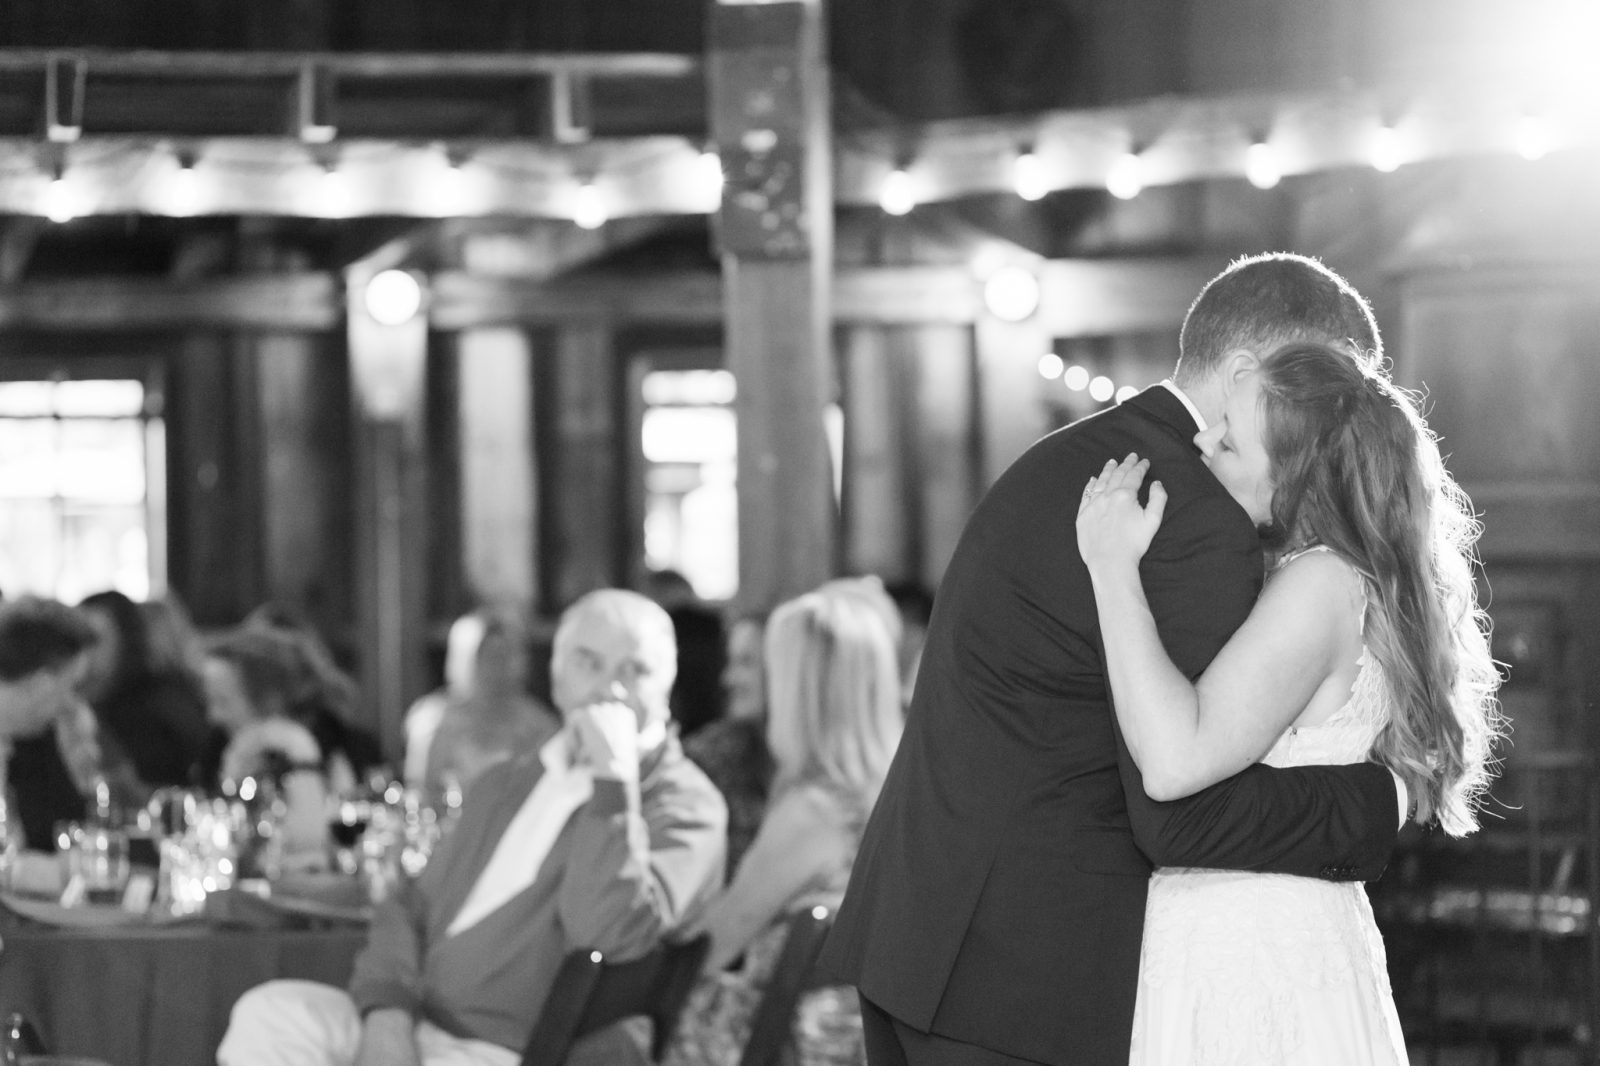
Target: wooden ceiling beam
[(358, 64), (1077, 298), (312, 302)]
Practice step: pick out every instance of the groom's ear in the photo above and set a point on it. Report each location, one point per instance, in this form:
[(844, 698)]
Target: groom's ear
[(1236, 363)]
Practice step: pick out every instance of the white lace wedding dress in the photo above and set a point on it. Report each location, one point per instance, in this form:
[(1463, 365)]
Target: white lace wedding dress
[(1252, 968)]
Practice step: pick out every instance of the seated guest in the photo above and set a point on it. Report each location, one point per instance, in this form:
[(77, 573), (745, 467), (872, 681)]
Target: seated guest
[(488, 718), (701, 648), (422, 718), (43, 650), (258, 685), (833, 722), (151, 718), (733, 749), (605, 838), (176, 646), (328, 700)]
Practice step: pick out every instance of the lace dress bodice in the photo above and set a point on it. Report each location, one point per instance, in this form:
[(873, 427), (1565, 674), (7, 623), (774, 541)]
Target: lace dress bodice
[(1255, 968)]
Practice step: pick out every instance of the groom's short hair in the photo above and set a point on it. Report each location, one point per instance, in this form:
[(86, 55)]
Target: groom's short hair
[(1263, 301)]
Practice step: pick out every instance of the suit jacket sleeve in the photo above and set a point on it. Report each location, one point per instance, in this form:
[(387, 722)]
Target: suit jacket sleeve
[(1337, 822)]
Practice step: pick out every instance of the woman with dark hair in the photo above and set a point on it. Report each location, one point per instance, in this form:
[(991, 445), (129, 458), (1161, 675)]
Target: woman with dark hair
[(327, 698), (43, 649), (1367, 644), (151, 715)]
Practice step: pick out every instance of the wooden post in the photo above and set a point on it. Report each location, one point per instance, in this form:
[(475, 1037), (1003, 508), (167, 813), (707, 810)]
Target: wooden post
[(876, 533), (946, 442), (390, 496), (581, 535), (770, 116), (304, 480)]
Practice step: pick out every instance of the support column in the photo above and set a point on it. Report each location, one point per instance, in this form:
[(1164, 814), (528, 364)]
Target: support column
[(387, 359), (770, 118), (583, 533)]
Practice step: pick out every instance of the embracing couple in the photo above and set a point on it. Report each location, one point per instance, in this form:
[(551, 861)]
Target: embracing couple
[(1226, 630)]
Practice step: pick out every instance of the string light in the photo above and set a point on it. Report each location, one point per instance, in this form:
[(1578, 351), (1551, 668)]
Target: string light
[(588, 209), (1101, 388), (57, 203), (1012, 293), (1075, 378), (333, 192), (1385, 149), (1261, 167), (1126, 391), (1533, 137), (183, 187), (896, 197), (1050, 366), (452, 185), (393, 296), (1028, 177), (1125, 180), (955, 163)]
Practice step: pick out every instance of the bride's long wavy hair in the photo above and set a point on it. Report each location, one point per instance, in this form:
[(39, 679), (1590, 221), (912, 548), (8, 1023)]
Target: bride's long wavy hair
[(1357, 469)]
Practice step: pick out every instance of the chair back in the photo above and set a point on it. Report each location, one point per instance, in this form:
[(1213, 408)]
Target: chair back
[(795, 974), (591, 993)]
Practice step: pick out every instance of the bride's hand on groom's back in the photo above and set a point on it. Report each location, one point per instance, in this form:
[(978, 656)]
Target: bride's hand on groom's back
[(1113, 529)]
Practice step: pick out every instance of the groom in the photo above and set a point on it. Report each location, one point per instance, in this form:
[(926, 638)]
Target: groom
[(997, 904)]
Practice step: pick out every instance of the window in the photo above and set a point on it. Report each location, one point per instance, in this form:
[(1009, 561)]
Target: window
[(689, 437), (82, 502), (690, 444)]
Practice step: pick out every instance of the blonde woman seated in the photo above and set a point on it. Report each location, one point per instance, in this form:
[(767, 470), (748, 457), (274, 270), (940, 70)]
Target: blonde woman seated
[(833, 723), (484, 714)]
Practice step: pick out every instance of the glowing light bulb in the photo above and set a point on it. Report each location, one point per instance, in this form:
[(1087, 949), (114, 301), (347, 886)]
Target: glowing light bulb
[(1261, 166), (1012, 293), (1126, 391), (58, 202), (1533, 137), (1384, 151), (1028, 177), (452, 187), (588, 209), (1076, 378), (1050, 366), (183, 190), (393, 296), (1101, 388), (896, 197), (333, 194), (1125, 180)]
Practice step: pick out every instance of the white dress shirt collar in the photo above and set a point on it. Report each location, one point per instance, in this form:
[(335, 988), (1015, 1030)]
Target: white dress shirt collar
[(1183, 398)]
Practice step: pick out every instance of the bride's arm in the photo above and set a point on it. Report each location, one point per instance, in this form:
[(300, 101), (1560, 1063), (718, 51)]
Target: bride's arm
[(1186, 736)]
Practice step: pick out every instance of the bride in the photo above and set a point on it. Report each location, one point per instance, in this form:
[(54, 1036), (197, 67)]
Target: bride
[(1367, 643)]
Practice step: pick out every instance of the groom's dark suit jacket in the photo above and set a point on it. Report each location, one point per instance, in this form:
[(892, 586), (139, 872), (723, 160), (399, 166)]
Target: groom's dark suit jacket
[(998, 896)]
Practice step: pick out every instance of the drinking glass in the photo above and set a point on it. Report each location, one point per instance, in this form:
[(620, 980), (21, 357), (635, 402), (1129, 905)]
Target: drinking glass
[(103, 862)]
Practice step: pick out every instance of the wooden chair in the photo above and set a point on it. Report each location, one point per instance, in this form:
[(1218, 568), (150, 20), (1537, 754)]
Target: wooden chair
[(20, 1042), (590, 993), (796, 973)]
